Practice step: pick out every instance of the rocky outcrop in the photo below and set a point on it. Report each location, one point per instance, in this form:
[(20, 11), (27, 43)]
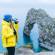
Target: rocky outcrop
[(46, 26)]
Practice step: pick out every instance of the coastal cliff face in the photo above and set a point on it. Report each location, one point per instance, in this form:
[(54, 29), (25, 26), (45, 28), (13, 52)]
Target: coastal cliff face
[(46, 26)]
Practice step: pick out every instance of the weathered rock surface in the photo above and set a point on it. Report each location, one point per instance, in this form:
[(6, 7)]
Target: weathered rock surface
[(27, 51), (46, 26)]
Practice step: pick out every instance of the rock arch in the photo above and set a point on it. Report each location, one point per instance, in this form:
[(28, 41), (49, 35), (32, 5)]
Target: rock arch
[(46, 26)]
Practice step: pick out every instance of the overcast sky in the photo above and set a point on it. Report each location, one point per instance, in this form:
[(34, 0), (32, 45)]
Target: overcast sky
[(19, 8)]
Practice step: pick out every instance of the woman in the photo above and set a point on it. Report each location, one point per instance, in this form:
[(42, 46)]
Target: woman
[(9, 34)]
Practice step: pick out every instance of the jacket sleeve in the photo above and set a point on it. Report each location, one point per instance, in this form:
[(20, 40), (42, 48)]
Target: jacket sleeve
[(7, 31)]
